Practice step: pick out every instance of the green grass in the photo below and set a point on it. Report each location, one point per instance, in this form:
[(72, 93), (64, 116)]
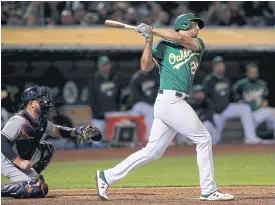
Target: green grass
[(256, 169)]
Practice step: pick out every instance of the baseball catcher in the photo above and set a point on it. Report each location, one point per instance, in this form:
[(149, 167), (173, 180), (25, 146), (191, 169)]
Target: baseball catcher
[(24, 156)]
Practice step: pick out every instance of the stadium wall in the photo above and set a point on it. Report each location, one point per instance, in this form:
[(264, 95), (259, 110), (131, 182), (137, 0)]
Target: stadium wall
[(41, 56)]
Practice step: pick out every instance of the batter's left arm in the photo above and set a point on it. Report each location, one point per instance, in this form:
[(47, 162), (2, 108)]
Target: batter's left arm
[(187, 42), (147, 63)]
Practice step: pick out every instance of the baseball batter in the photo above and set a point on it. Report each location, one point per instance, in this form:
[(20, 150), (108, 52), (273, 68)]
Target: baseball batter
[(177, 56), (23, 155), (253, 91)]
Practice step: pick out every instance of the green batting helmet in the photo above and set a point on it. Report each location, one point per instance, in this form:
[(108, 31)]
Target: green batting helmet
[(184, 22)]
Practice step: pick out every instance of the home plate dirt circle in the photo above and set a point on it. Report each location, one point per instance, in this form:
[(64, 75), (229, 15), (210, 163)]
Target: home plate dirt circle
[(245, 195)]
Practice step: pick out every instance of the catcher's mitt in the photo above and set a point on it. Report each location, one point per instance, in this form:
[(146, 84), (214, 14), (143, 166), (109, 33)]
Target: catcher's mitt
[(88, 133)]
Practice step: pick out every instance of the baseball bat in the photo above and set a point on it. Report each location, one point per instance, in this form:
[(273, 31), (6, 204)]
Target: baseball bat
[(117, 24)]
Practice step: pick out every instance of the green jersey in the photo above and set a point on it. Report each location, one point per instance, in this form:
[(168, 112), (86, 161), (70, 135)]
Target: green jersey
[(251, 92), (177, 65)]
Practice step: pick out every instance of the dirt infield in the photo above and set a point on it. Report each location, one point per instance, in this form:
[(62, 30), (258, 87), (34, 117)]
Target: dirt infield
[(153, 196), (250, 195)]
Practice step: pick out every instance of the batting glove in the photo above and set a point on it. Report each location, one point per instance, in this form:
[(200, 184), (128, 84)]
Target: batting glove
[(146, 31)]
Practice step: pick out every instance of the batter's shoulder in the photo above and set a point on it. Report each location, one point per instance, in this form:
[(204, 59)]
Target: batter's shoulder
[(201, 44), (199, 39)]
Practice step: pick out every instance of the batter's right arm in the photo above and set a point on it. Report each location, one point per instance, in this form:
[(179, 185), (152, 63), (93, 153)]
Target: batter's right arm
[(147, 62), (188, 42)]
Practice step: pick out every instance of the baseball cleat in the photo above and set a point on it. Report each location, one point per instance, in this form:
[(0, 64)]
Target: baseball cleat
[(101, 185), (217, 196)]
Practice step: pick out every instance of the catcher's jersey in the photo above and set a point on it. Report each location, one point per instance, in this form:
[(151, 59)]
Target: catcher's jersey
[(177, 65), (251, 92), (23, 144)]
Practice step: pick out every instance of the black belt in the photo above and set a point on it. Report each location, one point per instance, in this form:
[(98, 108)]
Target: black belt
[(177, 94)]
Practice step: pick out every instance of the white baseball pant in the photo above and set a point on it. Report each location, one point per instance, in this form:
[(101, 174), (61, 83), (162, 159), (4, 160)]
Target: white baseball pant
[(211, 129), (171, 115)]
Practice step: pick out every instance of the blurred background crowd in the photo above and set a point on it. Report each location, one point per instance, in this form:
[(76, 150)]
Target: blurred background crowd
[(101, 86), (231, 13)]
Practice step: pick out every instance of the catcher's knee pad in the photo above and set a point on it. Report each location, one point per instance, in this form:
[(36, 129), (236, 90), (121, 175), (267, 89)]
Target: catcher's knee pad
[(36, 188), (47, 150)]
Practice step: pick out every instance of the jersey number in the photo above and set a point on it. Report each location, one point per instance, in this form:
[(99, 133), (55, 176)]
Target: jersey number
[(194, 66)]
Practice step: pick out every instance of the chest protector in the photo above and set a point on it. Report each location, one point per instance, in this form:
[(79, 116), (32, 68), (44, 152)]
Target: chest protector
[(30, 135)]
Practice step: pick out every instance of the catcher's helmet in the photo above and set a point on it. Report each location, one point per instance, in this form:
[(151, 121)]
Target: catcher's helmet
[(184, 22), (41, 93)]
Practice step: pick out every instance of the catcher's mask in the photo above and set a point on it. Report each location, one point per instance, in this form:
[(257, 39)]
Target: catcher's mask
[(43, 96)]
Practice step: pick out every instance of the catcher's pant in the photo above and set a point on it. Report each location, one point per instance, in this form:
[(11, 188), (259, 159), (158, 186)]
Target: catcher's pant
[(264, 114), (13, 173), (171, 115), (236, 110), (146, 110)]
